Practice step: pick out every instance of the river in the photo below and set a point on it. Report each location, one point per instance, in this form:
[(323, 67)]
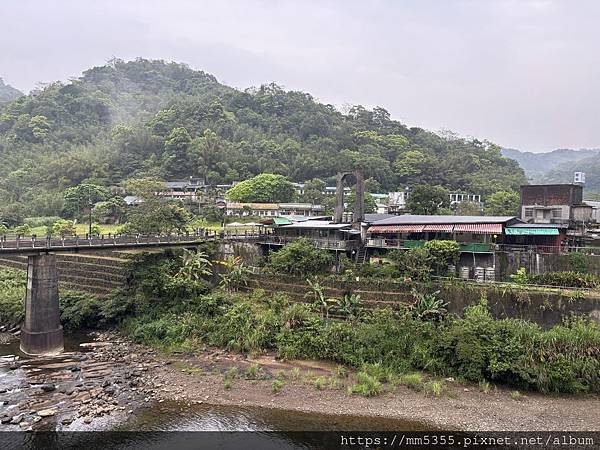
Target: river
[(150, 420)]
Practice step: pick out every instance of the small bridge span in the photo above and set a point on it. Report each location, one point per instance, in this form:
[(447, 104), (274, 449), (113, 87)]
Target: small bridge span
[(42, 332)]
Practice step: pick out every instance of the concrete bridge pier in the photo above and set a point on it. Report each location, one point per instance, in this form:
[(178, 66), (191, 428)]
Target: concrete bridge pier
[(42, 333)]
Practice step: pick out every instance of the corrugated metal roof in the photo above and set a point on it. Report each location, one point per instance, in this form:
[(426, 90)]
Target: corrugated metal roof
[(396, 229), (479, 228), (374, 217), (408, 219), (442, 227), (522, 231), (320, 224)]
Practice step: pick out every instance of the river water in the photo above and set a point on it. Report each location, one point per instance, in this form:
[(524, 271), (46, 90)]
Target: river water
[(151, 421)]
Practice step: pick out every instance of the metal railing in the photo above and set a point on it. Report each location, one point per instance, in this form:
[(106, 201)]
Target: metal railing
[(476, 247), (329, 244), (109, 240)]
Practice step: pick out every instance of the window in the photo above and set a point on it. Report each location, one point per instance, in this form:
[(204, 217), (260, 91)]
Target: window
[(557, 213), (528, 212)]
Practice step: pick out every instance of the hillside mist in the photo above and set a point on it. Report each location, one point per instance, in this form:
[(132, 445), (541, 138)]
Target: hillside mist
[(143, 117)]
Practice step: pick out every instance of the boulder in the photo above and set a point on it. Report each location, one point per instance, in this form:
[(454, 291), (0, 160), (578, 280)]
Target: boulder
[(46, 412)]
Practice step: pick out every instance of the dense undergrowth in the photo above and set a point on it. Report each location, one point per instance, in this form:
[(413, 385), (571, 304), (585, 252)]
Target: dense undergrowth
[(77, 309), (162, 310), (565, 358)]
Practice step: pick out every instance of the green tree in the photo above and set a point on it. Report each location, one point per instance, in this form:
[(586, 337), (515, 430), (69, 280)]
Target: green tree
[(426, 199), (175, 156), (154, 214), (468, 209), (443, 252), (370, 204), (63, 227), (313, 191), (265, 187), (12, 214), (111, 210), (503, 203), (78, 198)]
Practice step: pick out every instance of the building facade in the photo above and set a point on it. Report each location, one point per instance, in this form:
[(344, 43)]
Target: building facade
[(554, 204)]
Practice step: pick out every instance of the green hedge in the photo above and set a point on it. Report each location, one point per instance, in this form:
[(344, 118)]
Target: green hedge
[(565, 279)]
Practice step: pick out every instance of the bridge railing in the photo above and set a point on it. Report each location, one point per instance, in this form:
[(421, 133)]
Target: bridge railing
[(116, 240)]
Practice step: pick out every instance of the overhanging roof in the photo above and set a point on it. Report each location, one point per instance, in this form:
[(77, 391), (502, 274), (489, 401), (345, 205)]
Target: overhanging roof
[(317, 224), (441, 227), (396, 228), (479, 228), (410, 219)]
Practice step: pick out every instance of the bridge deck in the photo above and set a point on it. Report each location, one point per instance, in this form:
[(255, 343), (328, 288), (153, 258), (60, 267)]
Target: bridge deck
[(76, 243)]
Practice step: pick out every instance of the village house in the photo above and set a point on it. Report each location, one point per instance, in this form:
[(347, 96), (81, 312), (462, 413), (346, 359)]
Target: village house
[(272, 209), (251, 209), (554, 204), (190, 189)]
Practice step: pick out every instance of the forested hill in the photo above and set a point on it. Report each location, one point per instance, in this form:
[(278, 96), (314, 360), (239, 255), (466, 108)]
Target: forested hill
[(7, 92), (130, 119), (538, 165), (590, 166)]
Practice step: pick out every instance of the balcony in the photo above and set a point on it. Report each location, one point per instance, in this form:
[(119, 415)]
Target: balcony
[(324, 243), (406, 244)]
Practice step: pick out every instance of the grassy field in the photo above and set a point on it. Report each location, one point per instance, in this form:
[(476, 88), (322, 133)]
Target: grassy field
[(82, 229)]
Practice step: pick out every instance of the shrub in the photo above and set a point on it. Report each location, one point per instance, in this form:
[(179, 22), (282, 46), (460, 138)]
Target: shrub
[(566, 279), (12, 293), (414, 264), (277, 385), (366, 385), (254, 372), (63, 227), (23, 230), (79, 310), (443, 253), (412, 380), (428, 307), (578, 262), (301, 258), (434, 388), (520, 277)]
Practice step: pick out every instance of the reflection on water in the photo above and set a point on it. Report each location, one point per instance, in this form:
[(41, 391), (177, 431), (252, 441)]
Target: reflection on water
[(169, 425), (175, 416), (152, 426)]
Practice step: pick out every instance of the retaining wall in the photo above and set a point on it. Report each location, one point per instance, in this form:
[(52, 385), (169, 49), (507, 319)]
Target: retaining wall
[(547, 307)]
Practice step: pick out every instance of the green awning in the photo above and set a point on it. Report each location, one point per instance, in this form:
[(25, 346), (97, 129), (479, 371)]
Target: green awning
[(524, 231), (281, 221)]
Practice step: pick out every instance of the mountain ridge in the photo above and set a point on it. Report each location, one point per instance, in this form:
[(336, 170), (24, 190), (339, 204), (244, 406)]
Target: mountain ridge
[(154, 118)]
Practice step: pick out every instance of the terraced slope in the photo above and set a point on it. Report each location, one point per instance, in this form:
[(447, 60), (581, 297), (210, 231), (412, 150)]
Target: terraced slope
[(98, 274)]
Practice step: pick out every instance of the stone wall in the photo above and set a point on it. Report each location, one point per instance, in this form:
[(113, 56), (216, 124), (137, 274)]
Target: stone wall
[(508, 263)]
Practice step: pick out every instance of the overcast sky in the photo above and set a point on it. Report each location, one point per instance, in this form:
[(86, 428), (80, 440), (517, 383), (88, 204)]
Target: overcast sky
[(523, 74)]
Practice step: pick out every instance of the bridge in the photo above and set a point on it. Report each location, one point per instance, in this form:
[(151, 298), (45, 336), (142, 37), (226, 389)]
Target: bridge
[(42, 332)]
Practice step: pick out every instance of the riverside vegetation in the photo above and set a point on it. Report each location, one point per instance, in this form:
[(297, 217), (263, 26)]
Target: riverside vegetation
[(172, 304)]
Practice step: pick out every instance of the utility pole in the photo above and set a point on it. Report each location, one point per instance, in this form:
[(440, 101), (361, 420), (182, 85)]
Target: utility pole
[(90, 204)]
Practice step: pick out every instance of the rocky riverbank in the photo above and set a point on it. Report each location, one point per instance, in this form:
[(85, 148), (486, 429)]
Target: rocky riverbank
[(223, 378), (101, 385), (92, 388)]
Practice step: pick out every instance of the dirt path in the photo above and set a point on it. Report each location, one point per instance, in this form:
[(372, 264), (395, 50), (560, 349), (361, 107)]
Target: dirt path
[(202, 379)]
